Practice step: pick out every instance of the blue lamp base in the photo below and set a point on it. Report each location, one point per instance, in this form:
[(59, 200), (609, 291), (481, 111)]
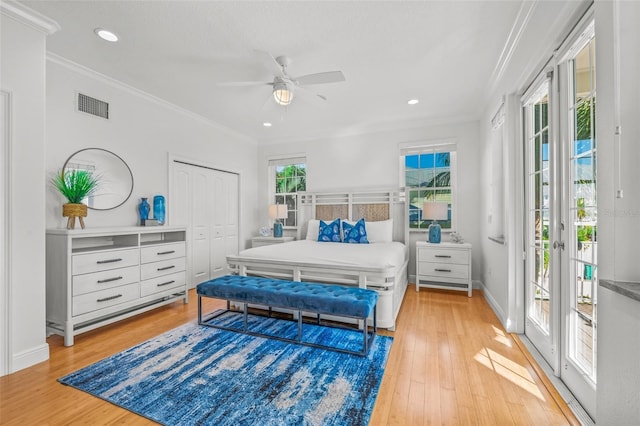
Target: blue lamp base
[(277, 230), (434, 233)]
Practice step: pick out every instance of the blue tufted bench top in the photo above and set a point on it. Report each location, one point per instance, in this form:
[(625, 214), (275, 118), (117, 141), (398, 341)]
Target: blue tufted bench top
[(314, 297)]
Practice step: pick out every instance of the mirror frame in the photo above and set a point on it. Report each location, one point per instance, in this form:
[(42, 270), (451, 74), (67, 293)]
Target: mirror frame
[(115, 155)]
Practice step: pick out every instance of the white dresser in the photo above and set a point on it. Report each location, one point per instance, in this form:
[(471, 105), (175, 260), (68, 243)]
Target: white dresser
[(443, 265), (102, 275)]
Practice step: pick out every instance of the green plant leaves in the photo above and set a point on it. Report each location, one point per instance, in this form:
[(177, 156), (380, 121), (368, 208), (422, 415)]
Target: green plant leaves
[(75, 185)]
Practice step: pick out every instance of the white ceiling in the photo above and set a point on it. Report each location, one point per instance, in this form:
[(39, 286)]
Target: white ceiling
[(444, 53)]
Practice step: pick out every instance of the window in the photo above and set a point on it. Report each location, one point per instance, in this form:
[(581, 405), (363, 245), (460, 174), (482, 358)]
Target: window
[(428, 173), (288, 176)]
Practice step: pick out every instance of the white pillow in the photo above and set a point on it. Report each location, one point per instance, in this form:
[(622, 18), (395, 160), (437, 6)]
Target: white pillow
[(380, 231), (313, 229)]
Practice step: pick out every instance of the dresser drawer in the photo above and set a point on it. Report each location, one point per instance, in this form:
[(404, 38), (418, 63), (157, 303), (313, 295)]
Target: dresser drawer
[(443, 256), (86, 283), (165, 282), (162, 252), (435, 271), (164, 267), (104, 298), (103, 261)]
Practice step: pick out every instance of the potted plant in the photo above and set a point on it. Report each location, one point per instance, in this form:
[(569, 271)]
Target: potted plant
[(75, 185)]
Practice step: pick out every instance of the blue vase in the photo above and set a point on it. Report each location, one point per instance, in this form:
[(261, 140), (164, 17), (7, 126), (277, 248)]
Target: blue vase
[(143, 210), (277, 230), (159, 208)]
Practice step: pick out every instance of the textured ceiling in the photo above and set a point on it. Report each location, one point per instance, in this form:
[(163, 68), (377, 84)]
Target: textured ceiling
[(443, 53)]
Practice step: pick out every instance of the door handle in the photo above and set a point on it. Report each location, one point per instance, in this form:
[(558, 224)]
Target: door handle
[(557, 244)]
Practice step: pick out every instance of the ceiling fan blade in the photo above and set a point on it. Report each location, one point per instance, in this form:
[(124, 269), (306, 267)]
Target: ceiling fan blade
[(320, 78), (315, 95), (273, 64), (244, 83)]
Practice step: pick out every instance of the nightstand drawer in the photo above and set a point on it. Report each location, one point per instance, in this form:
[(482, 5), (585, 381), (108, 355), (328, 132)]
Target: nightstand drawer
[(428, 270), (443, 256)]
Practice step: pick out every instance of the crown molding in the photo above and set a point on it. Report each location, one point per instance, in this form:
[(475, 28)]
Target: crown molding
[(88, 72), (29, 17)]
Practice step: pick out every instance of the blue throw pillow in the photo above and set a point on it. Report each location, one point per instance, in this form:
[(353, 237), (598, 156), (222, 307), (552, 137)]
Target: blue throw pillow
[(329, 232), (356, 234)]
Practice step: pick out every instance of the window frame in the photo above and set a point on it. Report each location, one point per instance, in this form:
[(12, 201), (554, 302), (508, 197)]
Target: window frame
[(431, 147), (273, 164)]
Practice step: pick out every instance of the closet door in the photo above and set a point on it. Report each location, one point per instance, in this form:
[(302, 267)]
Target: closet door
[(206, 202), (224, 227)]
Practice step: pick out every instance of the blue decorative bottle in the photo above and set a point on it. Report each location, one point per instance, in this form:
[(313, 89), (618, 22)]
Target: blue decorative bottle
[(143, 210), (159, 209)]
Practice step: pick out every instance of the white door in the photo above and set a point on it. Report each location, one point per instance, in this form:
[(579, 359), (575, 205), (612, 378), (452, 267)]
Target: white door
[(561, 224), (206, 202), (224, 239), (542, 218), (580, 254)]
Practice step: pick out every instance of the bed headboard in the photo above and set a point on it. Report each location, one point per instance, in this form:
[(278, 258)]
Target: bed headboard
[(372, 205)]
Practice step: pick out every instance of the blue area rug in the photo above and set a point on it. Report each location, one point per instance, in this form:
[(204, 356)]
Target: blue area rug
[(197, 375)]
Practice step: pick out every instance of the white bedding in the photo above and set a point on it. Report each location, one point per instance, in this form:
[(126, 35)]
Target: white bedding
[(379, 255)]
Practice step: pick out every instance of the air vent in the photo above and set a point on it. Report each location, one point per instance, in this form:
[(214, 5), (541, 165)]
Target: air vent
[(93, 106)]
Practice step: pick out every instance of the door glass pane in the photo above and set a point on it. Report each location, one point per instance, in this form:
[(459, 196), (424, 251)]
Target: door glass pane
[(583, 211), (538, 259)]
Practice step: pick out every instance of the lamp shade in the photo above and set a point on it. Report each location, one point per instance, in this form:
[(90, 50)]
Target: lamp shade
[(435, 210), (278, 211)]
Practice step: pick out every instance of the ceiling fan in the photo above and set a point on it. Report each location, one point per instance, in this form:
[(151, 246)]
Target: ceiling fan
[(285, 86)]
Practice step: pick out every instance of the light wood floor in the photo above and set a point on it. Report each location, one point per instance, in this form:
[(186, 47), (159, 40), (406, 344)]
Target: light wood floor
[(451, 363)]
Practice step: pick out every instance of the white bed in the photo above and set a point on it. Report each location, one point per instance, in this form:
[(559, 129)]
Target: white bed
[(381, 265)]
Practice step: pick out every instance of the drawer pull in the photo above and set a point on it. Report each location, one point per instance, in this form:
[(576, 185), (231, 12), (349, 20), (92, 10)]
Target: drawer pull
[(446, 256), (100, 262), (442, 270), (108, 280), (166, 252), (166, 267), (109, 298), (167, 283)]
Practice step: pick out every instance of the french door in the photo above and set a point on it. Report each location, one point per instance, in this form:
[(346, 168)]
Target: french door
[(561, 220)]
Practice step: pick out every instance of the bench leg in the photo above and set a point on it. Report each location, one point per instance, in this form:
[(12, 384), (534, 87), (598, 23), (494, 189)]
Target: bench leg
[(246, 314), (199, 310), (299, 326), (365, 333)]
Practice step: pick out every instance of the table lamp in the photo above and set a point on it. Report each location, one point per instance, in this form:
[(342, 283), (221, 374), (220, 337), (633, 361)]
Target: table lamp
[(277, 212), (435, 211)]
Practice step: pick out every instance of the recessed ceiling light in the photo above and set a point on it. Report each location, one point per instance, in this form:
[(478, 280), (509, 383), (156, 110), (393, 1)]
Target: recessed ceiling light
[(106, 35), (266, 124), (413, 101)]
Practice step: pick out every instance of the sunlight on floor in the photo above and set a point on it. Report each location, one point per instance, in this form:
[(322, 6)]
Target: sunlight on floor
[(510, 370)]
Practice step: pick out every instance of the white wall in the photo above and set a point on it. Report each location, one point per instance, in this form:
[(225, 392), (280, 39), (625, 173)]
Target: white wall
[(23, 71), (143, 131), (372, 160), (618, 349)]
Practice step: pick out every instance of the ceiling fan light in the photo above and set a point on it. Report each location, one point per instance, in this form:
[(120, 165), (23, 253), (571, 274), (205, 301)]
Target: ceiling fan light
[(282, 94)]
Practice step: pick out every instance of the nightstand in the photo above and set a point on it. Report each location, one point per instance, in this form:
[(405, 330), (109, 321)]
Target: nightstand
[(267, 241), (443, 265)]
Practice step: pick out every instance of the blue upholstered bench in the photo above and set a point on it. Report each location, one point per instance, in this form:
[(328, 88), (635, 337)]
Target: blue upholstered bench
[(328, 299)]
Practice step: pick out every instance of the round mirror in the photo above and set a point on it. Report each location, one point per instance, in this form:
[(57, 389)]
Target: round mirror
[(115, 177)]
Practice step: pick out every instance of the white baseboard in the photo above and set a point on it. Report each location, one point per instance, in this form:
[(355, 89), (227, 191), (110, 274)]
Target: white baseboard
[(30, 357), (495, 306)]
